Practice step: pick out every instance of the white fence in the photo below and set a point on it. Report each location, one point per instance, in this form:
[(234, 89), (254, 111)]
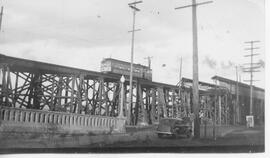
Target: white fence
[(10, 118)]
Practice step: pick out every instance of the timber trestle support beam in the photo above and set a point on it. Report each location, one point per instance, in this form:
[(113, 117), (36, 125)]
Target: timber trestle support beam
[(29, 84)]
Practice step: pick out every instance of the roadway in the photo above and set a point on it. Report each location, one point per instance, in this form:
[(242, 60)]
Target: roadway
[(232, 139)]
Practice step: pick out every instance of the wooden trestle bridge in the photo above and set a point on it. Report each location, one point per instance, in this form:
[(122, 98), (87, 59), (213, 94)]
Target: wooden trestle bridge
[(48, 97)]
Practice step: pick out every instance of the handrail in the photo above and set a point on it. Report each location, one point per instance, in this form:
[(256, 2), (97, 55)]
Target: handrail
[(57, 118)]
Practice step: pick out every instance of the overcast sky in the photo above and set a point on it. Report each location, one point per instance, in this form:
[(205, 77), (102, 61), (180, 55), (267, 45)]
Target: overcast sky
[(80, 33)]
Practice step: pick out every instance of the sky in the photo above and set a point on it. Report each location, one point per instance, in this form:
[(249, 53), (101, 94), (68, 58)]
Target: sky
[(81, 33)]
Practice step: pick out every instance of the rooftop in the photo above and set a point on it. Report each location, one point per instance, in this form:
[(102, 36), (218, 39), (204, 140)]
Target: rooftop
[(222, 79), (112, 59)]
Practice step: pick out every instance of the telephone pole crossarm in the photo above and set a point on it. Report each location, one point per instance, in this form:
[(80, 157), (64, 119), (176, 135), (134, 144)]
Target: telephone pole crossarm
[(254, 67), (251, 55), (194, 5), (252, 42), (134, 8), (252, 48), (134, 3), (134, 30)]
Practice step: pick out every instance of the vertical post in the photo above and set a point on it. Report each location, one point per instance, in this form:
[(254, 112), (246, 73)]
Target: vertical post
[(149, 61), (52, 95), (131, 70), (251, 79), (215, 102), (180, 74), (236, 113), (93, 112), (122, 97), (226, 109), (195, 66), (129, 107), (142, 114), (174, 106), (79, 93), (16, 88), (4, 84), (72, 94), (1, 16), (153, 106), (251, 69), (86, 97), (195, 71), (59, 94), (106, 98), (9, 87), (219, 109), (66, 92), (100, 97)]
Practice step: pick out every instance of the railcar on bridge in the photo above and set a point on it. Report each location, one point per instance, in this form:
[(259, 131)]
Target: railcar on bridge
[(109, 65)]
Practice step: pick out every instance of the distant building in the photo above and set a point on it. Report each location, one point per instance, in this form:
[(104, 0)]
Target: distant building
[(243, 107), (228, 110)]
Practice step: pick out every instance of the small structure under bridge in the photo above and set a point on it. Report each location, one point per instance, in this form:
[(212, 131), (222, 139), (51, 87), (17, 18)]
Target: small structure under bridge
[(42, 97)]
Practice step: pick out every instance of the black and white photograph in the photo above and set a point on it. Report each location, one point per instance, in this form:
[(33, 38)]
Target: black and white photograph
[(133, 77)]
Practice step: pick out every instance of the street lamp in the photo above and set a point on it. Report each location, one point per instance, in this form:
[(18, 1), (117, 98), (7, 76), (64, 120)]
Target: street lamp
[(122, 80)]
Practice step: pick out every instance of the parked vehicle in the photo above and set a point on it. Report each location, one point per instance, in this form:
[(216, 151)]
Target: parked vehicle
[(173, 127)]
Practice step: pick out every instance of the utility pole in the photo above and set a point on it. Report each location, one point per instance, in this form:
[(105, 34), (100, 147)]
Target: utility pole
[(180, 88), (236, 108), (1, 16), (195, 86), (252, 68), (180, 74), (215, 111), (135, 9), (149, 61)]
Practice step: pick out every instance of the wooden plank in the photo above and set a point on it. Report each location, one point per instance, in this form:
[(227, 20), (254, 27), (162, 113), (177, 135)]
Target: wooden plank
[(52, 96), (59, 93), (4, 85), (79, 94), (87, 108), (153, 105), (142, 114), (100, 91), (72, 94), (161, 103)]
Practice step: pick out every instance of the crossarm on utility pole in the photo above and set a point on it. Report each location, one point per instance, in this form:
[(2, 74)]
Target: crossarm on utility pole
[(193, 5), (252, 42), (251, 55), (134, 3), (252, 48), (134, 30)]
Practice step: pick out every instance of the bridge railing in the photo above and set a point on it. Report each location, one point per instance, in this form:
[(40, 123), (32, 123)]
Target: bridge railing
[(62, 121)]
